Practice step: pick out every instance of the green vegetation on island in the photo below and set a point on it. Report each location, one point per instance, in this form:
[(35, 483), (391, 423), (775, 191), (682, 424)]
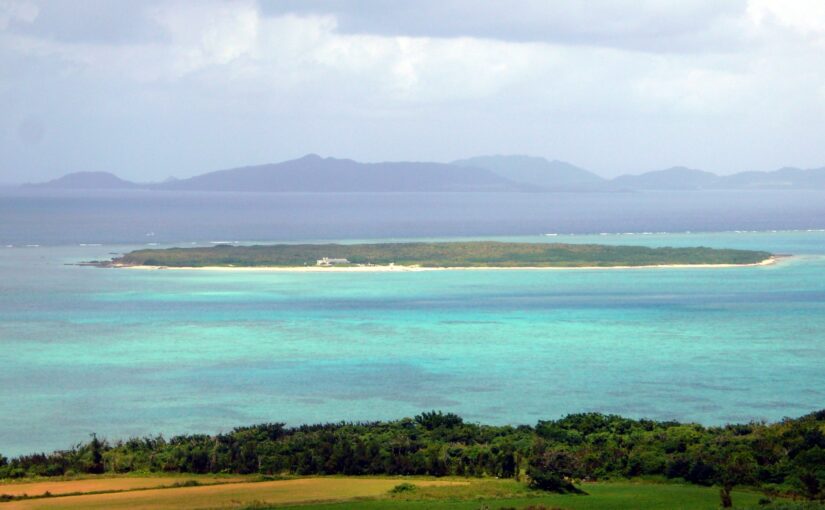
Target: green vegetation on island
[(438, 254), (568, 455)]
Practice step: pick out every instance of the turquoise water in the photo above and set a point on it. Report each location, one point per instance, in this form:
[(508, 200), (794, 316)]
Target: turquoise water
[(128, 352)]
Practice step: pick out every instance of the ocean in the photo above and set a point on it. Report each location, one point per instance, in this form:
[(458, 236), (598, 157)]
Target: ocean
[(131, 352)]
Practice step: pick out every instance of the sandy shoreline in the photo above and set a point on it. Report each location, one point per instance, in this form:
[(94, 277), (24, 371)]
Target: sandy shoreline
[(397, 269)]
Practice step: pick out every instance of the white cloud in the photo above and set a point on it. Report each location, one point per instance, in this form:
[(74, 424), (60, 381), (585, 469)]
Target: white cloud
[(758, 64), (806, 17), (208, 33), (696, 91), (17, 10), (232, 48), (422, 69), (231, 44)]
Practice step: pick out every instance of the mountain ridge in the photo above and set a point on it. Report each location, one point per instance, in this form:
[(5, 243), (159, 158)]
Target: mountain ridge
[(552, 175), (86, 180), (312, 173), (495, 173)]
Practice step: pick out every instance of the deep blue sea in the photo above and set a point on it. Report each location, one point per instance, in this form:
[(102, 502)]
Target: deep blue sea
[(131, 352)]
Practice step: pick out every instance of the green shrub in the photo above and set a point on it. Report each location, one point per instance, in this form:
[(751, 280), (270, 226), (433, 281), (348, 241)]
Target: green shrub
[(402, 488)]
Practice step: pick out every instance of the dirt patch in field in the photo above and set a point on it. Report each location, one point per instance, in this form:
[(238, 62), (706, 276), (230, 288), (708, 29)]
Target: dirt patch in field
[(105, 484), (228, 495)]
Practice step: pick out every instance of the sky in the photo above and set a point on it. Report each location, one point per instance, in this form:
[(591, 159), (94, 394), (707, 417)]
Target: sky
[(152, 89)]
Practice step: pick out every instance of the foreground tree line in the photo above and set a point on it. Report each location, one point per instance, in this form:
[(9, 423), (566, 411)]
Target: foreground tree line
[(787, 457)]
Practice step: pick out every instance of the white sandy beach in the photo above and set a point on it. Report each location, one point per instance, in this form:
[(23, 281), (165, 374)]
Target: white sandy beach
[(400, 268)]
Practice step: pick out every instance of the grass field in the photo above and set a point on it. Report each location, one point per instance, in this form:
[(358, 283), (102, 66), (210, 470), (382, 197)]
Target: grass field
[(497, 495), (346, 493), (109, 484), (225, 495)]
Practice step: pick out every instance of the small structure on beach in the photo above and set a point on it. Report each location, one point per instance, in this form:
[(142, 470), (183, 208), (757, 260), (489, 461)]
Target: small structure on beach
[(326, 261)]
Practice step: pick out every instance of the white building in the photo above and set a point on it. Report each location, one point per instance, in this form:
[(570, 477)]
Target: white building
[(326, 261)]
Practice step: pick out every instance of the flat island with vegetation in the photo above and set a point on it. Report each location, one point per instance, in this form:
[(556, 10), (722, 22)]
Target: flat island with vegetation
[(452, 255)]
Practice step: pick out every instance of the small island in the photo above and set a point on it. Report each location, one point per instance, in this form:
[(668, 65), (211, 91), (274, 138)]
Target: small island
[(436, 255)]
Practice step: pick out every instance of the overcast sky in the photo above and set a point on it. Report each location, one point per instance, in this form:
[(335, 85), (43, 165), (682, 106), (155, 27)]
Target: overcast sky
[(153, 89)]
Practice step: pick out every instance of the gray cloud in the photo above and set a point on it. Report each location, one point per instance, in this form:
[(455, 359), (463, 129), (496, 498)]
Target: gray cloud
[(656, 26), (89, 21), (151, 89)]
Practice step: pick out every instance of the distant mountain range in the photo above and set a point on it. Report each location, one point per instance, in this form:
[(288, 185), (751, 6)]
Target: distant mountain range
[(313, 173), (681, 178), (533, 171), (88, 180)]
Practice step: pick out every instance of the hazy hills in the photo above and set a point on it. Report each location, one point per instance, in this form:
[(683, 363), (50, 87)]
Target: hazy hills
[(548, 175), (88, 180), (687, 178), (313, 173), (677, 177)]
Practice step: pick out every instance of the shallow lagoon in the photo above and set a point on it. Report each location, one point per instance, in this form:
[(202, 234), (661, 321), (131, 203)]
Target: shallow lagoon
[(128, 352)]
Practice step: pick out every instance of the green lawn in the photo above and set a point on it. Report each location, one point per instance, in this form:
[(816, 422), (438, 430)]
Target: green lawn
[(370, 493), (497, 495)]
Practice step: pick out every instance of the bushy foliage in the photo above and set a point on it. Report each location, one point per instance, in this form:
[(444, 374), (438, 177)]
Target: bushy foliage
[(553, 470), (785, 457), (401, 488), (443, 254)]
